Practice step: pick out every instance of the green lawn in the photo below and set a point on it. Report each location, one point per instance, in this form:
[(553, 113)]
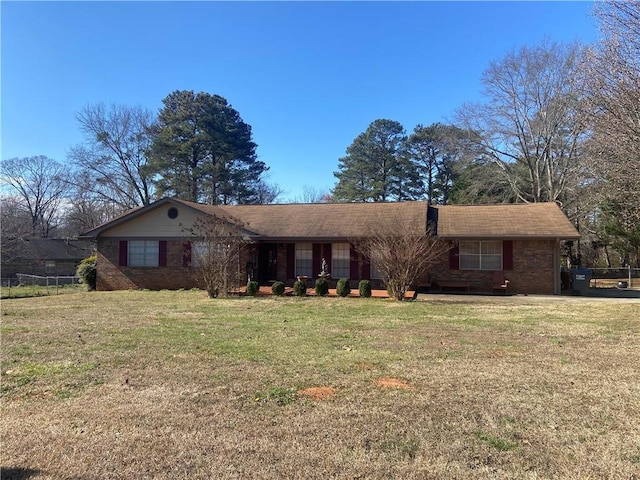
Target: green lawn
[(177, 385)]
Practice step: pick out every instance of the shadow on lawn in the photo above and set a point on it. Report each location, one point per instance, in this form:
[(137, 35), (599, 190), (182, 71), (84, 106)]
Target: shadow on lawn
[(17, 473)]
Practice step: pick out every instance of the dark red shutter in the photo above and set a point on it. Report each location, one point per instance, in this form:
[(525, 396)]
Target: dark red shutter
[(316, 261), (354, 264), (186, 254), (291, 260), (162, 253), (366, 268), (123, 254), (454, 256), (507, 255)]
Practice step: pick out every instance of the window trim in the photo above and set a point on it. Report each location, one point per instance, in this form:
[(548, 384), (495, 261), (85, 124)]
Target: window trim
[(480, 255), (340, 263), (150, 254), (307, 270)]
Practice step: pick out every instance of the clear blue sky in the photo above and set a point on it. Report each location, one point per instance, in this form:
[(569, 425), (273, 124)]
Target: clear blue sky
[(307, 76)]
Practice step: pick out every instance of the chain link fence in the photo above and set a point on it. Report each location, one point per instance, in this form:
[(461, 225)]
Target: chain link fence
[(24, 285), (622, 278)]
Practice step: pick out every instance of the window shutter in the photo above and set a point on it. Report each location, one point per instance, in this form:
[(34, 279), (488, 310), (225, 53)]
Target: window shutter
[(316, 261), (291, 260), (354, 264), (366, 268), (186, 254), (162, 253), (123, 253), (507, 255), (454, 256)]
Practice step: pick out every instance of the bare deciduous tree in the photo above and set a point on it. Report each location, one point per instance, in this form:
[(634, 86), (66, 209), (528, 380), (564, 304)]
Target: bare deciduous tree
[(117, 141), (40, 184), (612, 78), (531, 125), (216, 246), (86, 209), (401, 253)]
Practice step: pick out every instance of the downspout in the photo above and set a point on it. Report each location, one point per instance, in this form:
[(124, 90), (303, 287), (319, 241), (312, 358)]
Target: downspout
[(556, 269)]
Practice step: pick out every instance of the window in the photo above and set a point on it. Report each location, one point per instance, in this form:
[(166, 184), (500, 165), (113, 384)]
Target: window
[(199, 251), (207, 253), (340, 260), (172, 213), (375, 274), (304, 260), (478, 255), (50, 266), (143, 253)]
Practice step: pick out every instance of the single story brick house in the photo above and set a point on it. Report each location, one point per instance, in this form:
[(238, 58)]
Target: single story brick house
[(149, 247)]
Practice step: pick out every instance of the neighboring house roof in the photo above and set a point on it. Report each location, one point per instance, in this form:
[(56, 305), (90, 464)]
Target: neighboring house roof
[(52, 249), (355, 220), (539, 220)]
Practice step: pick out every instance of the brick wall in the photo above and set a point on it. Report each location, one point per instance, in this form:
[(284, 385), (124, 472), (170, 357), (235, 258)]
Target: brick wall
[(533, 270), (111, 276)]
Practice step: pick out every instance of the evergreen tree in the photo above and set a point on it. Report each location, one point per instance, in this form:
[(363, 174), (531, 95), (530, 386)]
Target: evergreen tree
[(203, 151), (374, 168)]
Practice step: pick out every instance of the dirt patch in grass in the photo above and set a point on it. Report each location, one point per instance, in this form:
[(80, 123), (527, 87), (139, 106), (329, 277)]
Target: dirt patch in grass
[(318, 393), (174, 385), (390, 382)]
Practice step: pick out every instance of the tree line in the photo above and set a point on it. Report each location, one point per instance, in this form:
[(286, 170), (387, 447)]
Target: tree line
[(556, 123)]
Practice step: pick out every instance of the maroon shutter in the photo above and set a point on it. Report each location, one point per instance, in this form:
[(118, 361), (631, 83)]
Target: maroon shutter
[(366, 268), (454, 256), (507, 255), (186, 254), (162, 253), (354, 264), (316, 261), (123, 253), (291, 260)]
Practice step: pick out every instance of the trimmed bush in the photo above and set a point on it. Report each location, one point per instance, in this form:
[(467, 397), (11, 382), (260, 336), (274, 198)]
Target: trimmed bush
[(299, 288), (277, 289), (322, 287), (343, 288), (364, 288), (87, 272), (252, 288)]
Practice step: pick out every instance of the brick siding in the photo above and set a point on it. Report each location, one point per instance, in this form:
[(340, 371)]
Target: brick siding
[(112, 276), (532, 270)]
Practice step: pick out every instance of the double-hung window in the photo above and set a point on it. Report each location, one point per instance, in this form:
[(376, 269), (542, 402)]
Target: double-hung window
[(340, 260), (304, 259), (200, 252), (143, 253), (481, 255)]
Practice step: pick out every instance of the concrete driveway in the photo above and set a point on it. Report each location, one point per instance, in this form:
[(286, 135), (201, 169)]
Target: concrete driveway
[(595, 295)]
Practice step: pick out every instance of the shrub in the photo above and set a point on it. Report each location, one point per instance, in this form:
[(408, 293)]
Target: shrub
[(277, 289), (322, 287), (364, 287), (343, 288), (300, 288), (87, 272), (252, 288)]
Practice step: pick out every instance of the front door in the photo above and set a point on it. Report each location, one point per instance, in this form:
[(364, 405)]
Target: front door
[(268, 263)]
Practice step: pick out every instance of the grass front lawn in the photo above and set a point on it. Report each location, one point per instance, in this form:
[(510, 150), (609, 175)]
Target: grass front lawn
[(168, 385)]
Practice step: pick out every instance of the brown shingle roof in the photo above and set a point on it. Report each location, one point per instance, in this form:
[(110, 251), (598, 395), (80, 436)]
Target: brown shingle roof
[(326, 220), (539, 220)]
